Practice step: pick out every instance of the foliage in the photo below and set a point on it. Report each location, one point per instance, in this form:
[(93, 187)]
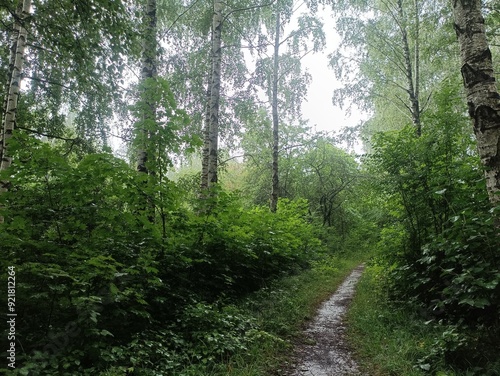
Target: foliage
[(395, 339), (233, 250), (100, 284), (439, 245), (74, 65), (312, 167)]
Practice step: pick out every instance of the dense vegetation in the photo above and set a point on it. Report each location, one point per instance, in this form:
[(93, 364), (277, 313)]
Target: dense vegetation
[(167, 253)]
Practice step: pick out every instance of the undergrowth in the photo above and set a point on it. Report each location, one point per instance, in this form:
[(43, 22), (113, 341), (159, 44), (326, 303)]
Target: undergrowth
[(395, 338), (279, 312)]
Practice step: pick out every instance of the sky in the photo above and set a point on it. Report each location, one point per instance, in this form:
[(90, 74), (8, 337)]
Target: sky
[(319, 108)]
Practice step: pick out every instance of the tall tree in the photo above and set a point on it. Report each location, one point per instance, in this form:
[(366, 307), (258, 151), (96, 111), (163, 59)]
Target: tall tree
[(17, 56), (273, 203), (74, 61), (228, 24), (282, 77), (16, 63), (411, 67), (483, 98), (213, 125), (383, 64), (148, 75)]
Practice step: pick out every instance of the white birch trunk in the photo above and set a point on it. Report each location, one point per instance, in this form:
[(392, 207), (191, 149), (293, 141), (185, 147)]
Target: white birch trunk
[(215, 93), (14, 87), (273, 204), (483, 99), (148, 112), (205, 155), (148, 71)]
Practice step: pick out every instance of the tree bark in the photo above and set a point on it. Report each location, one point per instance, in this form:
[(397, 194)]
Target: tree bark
[(14, 87), (205, 155), (12, 58), (215, 93), (148, 72), (483, 99), (16, 61), (149, 67), (273, 204), (412, 82)]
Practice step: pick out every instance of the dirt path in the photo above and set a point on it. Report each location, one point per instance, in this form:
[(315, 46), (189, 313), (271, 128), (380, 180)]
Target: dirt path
[(326, 352)]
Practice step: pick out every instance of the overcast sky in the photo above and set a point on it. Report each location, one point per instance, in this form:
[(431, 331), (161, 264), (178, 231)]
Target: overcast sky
[(319, 108)]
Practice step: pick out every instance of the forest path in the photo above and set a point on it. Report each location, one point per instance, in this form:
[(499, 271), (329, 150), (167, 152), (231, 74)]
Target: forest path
[(325, 351)]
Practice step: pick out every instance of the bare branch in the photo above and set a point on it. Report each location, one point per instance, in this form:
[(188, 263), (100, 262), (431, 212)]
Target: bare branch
[(177, 19), (38, 79), (76, 139), (247, 8)]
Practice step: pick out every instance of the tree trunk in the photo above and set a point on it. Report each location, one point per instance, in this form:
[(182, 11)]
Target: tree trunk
[(205, 155), (215, 93), (13, 87), (148, 72), (483, 98), (12, 58), (413, 85), (275, 178), (148, 111)]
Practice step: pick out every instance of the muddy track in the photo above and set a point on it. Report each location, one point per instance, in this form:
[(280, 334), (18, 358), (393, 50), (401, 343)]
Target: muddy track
[(325, 351)]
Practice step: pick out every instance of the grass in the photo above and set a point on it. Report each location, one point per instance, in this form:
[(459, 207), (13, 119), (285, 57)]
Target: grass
[(282, 310), (386, 340), (391, 340)]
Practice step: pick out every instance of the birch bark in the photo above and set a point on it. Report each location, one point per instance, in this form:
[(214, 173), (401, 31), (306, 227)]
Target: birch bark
[(483, 99), (215, 93), (275, 177), (148, 112), (205, 155), (14, 87), (148, 71)]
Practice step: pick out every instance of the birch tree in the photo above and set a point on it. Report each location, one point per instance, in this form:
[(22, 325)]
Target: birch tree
[(213, 125), (281, 76), (16, 62), (234, 27), (275, 172), (383, 63), (148, 75), (73, 67), (19, 37), (483, 98)]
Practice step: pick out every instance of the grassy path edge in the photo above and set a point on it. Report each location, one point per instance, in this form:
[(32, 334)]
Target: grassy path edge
[(282, 311)]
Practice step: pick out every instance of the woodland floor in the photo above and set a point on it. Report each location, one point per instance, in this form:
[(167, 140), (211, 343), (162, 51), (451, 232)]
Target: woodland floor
[(324, 350)]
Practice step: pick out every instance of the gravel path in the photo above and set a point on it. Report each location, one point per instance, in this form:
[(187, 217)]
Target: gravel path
[(326, 352)]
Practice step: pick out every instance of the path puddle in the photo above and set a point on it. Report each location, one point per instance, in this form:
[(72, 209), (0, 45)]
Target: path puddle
[(327, 353)]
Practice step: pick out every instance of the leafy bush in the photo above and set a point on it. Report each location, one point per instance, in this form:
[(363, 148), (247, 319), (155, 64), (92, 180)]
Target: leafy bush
[(101, 284), (230, 250), (440, 243)]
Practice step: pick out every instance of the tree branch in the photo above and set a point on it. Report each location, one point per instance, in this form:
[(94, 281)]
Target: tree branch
[(177, 19), (247, 8), (77, 139)]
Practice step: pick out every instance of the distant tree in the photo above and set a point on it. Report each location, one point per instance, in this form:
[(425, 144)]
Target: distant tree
[(392, 57), (282, 76)]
